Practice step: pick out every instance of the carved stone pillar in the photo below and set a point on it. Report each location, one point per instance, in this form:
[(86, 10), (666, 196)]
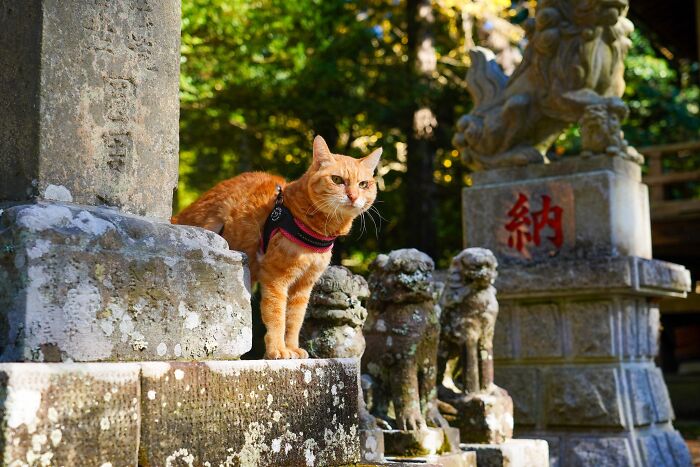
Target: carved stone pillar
[(578, 325)]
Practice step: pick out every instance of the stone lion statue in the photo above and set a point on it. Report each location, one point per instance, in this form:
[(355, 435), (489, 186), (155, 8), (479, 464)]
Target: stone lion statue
[(335, 315), (469, 312), (573, 60), (402, 331)]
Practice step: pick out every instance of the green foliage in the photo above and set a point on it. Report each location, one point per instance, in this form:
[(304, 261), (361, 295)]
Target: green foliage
[(260, 78)]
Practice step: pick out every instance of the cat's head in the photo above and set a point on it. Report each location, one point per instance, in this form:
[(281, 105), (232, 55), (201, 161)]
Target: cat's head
[(341, 184)]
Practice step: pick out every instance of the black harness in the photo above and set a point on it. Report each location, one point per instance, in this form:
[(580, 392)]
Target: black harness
[(282, 220)]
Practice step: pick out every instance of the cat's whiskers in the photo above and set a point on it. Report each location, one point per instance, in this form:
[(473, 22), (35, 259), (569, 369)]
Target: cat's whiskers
[(369, 212)]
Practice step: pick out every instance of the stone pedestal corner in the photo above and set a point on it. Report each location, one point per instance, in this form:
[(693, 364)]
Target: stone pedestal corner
[(92, 284)]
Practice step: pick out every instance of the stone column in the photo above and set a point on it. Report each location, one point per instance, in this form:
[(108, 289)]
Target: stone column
[(578, 326), (89, 99), (89, 141)]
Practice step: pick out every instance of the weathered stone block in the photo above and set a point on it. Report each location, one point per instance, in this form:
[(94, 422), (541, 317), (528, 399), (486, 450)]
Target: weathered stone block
[(640, 396), (540, 331), (372, 445), (503, 337), (89, 98), (291, 413), (592, 328), (91, 284), (662, 403), (584, 396), (457, 459), (573, 276), (484, 418), (607, 452), (522, 384), (69, 414), (582, 209), (423, 442), (512, 453)]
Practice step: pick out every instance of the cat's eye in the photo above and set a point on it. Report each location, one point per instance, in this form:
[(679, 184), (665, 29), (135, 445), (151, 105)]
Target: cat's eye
[(364, 184), (338, 180)]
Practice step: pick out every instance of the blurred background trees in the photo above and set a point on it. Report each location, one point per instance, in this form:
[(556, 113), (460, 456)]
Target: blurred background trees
[(261, 77)]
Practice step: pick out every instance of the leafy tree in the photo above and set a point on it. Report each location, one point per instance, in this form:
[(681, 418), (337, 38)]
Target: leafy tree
[(260, 78)]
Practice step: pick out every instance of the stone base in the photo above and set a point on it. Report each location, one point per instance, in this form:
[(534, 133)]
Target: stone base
[(512, 453), (658, 446), (372, 445), (421, 442), (263, 413), (457, 459), (92, 284), (69, 414), (292, 413), (483, 418)]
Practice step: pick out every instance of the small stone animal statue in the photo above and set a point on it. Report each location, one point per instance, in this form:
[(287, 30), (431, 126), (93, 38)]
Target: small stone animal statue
[(469, 311), (402, 332), (574, 59), (335, 316), (334, 320)]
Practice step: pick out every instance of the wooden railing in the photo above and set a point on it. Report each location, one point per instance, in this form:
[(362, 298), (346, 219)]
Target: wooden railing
[(657, 180)]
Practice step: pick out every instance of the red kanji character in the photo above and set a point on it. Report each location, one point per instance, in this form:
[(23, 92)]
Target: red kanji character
[(519, 226), (549, 216)]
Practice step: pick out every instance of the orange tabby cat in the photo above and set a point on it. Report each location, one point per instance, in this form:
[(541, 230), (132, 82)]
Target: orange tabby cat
[(325, 201)]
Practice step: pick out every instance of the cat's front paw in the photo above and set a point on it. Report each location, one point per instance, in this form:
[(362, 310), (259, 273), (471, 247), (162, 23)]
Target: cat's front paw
[(278, 353), (298, 352)]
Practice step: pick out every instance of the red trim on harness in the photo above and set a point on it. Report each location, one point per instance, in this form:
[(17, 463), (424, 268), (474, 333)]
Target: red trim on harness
[(303, 227), (291, 237)]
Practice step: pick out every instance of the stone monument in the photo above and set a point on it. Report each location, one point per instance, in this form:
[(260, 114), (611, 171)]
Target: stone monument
[(482, 411), (95, 280), (465, 356), (400, 364), (578, 324)]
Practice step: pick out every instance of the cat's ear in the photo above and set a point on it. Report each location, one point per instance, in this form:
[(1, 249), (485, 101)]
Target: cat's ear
[(322, 155), (370, 162)]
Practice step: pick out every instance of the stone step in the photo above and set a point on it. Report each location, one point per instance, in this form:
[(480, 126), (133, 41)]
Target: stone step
[(253, 413), (91, 284), (511, 453)]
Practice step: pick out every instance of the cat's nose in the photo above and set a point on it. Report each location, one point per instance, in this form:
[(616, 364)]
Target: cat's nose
[(351, 196)]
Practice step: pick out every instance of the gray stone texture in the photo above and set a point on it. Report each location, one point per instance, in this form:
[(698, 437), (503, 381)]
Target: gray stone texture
[(520, 382), (91, 284), (512, 453), (371, 445), (603, 452), (583, 397), (483, 417), (89, 99), (264, 413), (423, 442), (69, 414)]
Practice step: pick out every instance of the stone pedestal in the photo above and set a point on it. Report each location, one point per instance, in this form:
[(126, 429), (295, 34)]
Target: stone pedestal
[(483, 418), (372, 445), (578, 325), (292, 413), (257, 413), (421, 442), (91, 284), (69, 414), (512, 453)]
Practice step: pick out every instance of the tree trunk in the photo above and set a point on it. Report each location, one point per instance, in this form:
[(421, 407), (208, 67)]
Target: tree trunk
[(420, 208)]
